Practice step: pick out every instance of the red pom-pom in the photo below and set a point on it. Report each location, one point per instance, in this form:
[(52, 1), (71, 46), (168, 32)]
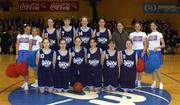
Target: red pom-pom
[(11, 71), (22, 68), (78, 87), (140, 65)]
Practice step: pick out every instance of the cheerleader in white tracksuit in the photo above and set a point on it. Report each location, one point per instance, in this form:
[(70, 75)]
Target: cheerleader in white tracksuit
[(155, 44)]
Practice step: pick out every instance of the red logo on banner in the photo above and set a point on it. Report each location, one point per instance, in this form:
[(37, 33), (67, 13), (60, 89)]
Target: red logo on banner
[(48, 6)]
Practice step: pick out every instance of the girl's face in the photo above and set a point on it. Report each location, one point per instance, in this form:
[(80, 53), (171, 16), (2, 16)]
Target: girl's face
[(101, 23), (46, 44), (77, 42), (84, 22), (120, 26), (153, 27), (67, 22), (128, 45), (27, 30), (50, 22), (93, 43), (137, 27), (34, 31), (111, 45), (62, 44)]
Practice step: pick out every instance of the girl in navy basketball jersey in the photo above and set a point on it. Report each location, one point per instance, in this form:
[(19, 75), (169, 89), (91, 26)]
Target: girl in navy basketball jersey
[(94, 66), (128, 67), (78, 71), (45, 60), (67, 32), (102, 34), (85, 32), (52, 34), (111, 65), (62, 71)]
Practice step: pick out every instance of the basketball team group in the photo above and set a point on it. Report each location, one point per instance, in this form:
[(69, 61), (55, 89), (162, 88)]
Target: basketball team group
[(95, 58)]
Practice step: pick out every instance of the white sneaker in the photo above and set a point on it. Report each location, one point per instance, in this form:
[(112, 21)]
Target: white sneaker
[(35, 84), (161, 86), (139, 84), (26, 87), (153, 84)]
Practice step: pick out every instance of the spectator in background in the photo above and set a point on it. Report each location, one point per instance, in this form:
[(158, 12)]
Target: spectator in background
[(5, 42)]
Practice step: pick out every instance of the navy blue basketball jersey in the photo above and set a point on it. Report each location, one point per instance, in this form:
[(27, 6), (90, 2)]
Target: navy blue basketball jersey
[(111, 61), (45, 61), (102, 38), (85, 36), (62, 61), (53, 39), (93, 59), (68, 36), (78, 57), (128, 70)]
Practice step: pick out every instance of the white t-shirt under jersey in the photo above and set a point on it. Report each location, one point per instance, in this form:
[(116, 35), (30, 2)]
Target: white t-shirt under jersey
[(24, 41), (154, 40), (35, 44), (137, 39)]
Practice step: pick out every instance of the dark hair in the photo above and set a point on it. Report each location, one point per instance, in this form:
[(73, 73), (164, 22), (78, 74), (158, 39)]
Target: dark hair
[(111, 41), (51, 19), (154, 22), (93, 38), (129, 40), (27, 25), (67, 18), (77, 37), (62, 39), (138, 23), (102, 18)]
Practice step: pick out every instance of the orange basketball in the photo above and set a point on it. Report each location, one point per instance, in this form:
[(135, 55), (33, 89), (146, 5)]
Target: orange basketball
[(77, 87)]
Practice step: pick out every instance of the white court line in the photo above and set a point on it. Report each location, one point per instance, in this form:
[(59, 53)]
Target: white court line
[(153, 95), (60, 102)]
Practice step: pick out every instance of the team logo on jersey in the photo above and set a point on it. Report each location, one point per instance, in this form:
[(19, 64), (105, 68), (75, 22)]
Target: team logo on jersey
[(24, 40), (93, 62), (68, 39), (34, 42), (128, 63), (46, 63), (111, 64), (102, 40), (85, 39), (137, 38), (63, 65), (152, 38), (78, 60)]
